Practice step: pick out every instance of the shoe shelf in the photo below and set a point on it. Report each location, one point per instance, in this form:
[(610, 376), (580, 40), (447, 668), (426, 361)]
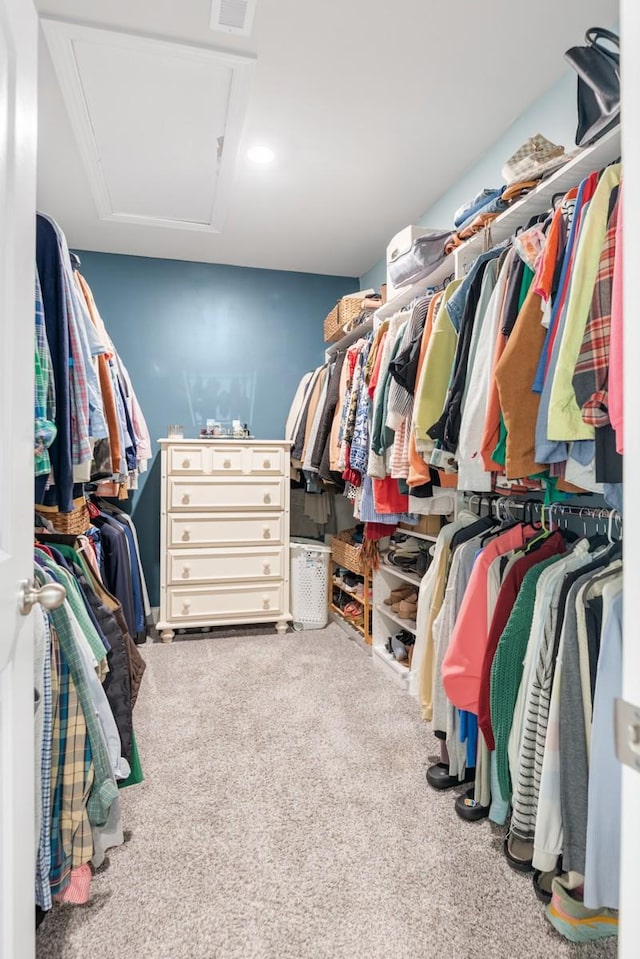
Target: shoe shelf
[(407, 624), (416, 535), (364, 601), (412, 578)]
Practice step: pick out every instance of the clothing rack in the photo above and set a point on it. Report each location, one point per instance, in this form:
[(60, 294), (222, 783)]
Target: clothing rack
[(505, 508)]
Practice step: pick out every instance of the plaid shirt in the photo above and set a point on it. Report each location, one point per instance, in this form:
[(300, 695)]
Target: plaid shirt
[(591, 373), (71, 775), (104, 789), (43, 859), (44, 401)]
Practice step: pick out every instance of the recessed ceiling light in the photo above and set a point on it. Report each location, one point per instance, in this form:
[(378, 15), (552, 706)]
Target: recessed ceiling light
[(261, 154)]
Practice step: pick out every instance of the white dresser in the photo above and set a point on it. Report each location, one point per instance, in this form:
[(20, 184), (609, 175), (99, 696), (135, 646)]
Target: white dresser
[(224, 543)]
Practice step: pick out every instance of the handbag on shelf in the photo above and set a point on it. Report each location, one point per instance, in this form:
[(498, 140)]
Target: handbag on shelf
[(598, 70), (536, 158)]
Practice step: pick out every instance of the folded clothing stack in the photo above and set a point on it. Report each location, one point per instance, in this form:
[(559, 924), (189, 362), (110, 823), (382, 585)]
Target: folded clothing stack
[(408, 554)]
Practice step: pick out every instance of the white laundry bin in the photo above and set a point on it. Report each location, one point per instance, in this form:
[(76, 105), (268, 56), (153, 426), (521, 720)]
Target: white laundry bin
[(309, 583)]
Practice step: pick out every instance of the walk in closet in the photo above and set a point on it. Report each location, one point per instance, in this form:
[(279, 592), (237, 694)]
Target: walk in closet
[(327, 307)]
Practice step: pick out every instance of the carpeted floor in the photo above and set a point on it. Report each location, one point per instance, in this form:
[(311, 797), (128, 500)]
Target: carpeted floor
[(285, 815)]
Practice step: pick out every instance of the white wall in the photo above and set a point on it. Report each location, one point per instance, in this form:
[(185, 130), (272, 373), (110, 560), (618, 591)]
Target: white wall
[(553, 115)]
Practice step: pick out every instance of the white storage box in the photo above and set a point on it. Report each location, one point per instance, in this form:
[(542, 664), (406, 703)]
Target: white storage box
[(400, 248), (309, 583)]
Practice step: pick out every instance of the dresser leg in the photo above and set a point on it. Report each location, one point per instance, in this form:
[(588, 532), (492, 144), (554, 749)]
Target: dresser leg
[(167, 635), (282, 627)]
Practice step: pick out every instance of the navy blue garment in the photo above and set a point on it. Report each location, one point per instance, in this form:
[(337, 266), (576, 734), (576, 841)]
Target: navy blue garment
[(136, 586), (56, 323), (115, 567)]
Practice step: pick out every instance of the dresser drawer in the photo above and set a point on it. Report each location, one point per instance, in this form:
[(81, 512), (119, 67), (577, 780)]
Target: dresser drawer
[(199, 603), (236, 493), (265, 460), (188, 459), (230, 529), (227, 460), (225, 564)]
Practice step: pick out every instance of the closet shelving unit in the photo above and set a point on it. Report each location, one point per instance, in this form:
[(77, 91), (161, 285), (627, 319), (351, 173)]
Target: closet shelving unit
[(538, 201), (385, 622), (363, 601)]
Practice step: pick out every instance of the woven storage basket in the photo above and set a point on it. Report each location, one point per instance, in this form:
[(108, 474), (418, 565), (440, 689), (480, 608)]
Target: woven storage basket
[(332, 328), (342, 317), (76, 522), (346, 553)]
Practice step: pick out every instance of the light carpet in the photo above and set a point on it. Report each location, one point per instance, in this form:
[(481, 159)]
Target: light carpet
[(285, 815)]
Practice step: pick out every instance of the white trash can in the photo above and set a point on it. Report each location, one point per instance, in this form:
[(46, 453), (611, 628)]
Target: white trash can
[(309, 583)]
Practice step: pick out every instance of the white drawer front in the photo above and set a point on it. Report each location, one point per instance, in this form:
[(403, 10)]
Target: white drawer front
[(230, 529), (187, 459), (227, 460), (225, 565), (217, 494), (267, 460), (225, 602)]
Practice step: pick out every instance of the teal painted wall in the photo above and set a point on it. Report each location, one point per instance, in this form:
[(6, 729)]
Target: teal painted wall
[(203, 340), (554, 115)]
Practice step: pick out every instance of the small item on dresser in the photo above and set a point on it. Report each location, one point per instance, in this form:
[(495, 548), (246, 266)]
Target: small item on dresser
[(175, 432)]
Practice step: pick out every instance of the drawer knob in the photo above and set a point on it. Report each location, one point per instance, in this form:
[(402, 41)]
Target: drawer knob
[(185, 572), (266, 603), (267, 464), (227, 464), (186, 464), (186, 534), (266, 569), (186, 497), (266, 533), (267, 498), (186, 607)]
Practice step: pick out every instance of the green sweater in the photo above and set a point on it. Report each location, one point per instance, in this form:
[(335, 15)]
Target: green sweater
[(507, 669)]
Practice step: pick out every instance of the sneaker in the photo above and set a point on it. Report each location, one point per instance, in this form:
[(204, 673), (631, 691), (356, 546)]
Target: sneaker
[(574, 921)]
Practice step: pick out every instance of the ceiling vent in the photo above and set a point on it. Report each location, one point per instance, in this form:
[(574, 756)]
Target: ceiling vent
[(233, 16)]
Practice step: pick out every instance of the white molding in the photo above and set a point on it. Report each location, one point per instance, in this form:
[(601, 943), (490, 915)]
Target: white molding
[(61, 35)]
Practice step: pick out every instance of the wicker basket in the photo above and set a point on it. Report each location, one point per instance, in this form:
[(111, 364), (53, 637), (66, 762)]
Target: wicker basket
[(347, 553), (341, 317), (76, 522)]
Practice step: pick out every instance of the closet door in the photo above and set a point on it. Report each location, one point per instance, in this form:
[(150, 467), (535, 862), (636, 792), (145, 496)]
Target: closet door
[(630, 879), (18, 105)]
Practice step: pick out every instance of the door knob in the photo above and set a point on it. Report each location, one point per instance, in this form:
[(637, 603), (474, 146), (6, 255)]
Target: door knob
[(50, 596)]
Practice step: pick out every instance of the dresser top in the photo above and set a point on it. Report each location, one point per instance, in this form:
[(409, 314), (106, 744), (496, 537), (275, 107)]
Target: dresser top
[(222, 441)]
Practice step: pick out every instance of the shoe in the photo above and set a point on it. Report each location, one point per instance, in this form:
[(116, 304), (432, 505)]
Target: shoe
[(542, 884), (519, 853), (468, 809), (396, 595), (399, 649), (438, 776), (569, 915), (407, 610)]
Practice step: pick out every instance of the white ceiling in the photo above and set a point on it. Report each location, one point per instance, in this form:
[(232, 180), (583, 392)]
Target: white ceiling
[(373, 110)]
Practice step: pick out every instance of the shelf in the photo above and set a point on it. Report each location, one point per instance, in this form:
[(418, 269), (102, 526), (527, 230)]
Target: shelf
[(407, 624), (412, 578), (399, 671), (347, 619), (409, 293), (358, 598), (428, 536), (595, 157), (350, 337)]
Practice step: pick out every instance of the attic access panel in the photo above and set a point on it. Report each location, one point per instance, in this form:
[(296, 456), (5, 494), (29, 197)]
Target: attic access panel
[(158, 123)]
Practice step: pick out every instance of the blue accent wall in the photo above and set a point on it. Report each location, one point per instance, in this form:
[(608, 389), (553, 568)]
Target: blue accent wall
[(205, 341)]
